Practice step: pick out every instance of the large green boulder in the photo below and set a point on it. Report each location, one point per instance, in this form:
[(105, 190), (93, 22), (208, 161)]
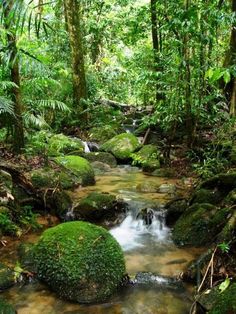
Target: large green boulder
[(106, 158), (7, 277), (79, 167), (225, 303), (207, 196), (80, 261), (102, 134), (224, 182), (6, 308), (121, 146), (60, 144), (199, 224), (98, 206), (148, 158)]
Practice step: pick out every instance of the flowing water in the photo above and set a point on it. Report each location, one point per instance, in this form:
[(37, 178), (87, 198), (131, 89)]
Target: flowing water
[(147, 248)]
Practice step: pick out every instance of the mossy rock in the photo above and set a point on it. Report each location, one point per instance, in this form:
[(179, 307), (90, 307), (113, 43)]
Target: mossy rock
[(174, 209), (207, 196), (148, 158), (199, 225), (25, 252), (7, 277), (151, 165), (147, 187), (97, 206), (106, 158), (102, 134), (80, 261), (79, 167), (60, 144), (121, 146), (164, 173), (44, 178), (100, 167), (225, 303), (6, 308), (225, 182)]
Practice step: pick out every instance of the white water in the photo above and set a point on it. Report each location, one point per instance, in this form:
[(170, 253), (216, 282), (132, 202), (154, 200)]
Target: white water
[(133, 233), (86, 148)]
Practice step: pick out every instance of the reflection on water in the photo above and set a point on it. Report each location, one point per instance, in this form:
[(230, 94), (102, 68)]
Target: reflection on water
[(147, 248)]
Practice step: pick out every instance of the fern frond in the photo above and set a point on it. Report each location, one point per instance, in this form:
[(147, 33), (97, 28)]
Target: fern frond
[(52, 104), (6, 106), (35, 120), (6, 85)]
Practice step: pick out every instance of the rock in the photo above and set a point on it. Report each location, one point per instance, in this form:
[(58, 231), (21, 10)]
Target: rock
[(6, 186), (59, 203), (151, 165), (106, 158), (199, 225), (174, 209), (102, 134), (7, 277), (208, 298), (147, 157), (79, 167), (121, 146), (61, 144), (164, 173), (6, 308), (147, 187), (99, 206), (225, 302), (25, 253), (207, 196), (100, 167), (167, 188), (225, 182), (147, 215), (81, 262)]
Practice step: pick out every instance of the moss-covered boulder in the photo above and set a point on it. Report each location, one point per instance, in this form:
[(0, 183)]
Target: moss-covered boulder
[(225, 182), (60, 144), (102, 134), (199, 224), (80, 261), (164, 173), (207, 196), (7, 277), (99, 206), (100, 167), (148, 158), (121, 146), (6, 308), (174, 209), (225, 303), (79, 167), (106, 158)]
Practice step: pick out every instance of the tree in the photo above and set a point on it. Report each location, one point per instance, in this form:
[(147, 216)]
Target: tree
[(73, 15)]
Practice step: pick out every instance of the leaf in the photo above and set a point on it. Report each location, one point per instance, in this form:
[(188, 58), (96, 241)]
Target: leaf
[(224, 285), (227, 77)]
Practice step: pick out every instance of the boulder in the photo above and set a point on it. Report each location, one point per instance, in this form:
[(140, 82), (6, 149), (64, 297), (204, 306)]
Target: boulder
[(174, 209), (225, 302), (121, 146), (207, 196), (79, 167), (163, 173), (106, 158), (199, 225), (81, 262), (147, 187), (7, 277), (225, 182), (102, 134), (60, 144), (167, 188), (148, 154), (100, 167), (6, 308), (99, 206), (147, 215)]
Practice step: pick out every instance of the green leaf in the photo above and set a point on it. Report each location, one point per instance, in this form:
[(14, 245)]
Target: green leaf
[(224, 285), (227, 77)]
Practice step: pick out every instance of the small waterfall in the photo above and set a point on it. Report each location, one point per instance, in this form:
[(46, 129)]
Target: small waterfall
[(132, 231), (86, 147)]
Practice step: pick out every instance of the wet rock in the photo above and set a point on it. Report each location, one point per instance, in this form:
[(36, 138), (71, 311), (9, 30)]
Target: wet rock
[(81, 262), (147, 215), (102, 134), (121, 146), (93, 147), (225, 302), (174, 209), (79, 167), (100, 167), (163, 173), (207, 196), (199, 224), (208, 298), (6, 308), (167, 188), (99, 206), (151, 165), (61, 144), (223, 181), (106, 158), (25, 253), (147, 157), (7, 277), (147, 187)]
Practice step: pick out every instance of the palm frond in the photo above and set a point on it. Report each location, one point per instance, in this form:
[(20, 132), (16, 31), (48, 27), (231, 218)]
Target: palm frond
[(35, 120), (6, 85), (52, 104), (6, 106)]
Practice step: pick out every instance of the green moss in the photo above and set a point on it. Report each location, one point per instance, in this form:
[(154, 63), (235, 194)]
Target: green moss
[(79, 167), (147, 157), (80, 261), (199, 224), (6, 308), (122, 146), (102, 134), (7, 277), (226, 302), (102, 157), (61, 144), (207, 196)]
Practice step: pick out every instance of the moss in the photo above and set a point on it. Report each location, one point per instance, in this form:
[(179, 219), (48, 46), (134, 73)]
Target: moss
[(164, 173), (148, 158), (7, 226), (79, 166), (80, 261), (199, 224), (7, 277), (102, 157), (121, 146), (6, 308), (61, 144), (102, 134), (226, 302), (207, 196), (26, 256), (223, 181)]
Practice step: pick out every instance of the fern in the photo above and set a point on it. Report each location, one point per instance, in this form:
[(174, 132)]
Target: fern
[(6, 106), (52, 104), (35, 120)]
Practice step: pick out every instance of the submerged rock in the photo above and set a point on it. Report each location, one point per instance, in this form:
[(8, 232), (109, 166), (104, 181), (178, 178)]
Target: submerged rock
[(147, 215), (79, 167), (174, 209), (99, 206), (80, 261), (100, 167), (106, 158), (167, 188), (6, 308), (147, 187), (7, 277), (121, 146)]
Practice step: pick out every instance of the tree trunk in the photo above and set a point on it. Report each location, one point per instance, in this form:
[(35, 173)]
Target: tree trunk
[(73, 19), (18, 129)]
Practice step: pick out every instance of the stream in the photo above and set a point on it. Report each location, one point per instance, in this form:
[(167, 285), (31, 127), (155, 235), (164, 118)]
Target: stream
[(147, 248)]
